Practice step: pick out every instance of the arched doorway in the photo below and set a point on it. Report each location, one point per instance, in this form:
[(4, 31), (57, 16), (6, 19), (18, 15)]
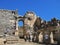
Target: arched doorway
[(21, 28)]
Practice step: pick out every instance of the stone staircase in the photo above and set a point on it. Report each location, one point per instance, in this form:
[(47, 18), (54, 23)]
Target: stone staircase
[(12, 39)]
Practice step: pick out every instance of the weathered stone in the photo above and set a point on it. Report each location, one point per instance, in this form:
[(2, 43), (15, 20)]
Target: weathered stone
[(7, 21), (12, 39)]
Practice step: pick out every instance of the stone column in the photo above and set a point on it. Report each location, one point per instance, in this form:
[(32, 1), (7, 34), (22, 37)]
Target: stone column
[(16, 24), (51, 37), (16, 32)]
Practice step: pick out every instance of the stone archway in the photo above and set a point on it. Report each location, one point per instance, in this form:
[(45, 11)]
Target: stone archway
[(28, 21), (17, 20), (21, 28)]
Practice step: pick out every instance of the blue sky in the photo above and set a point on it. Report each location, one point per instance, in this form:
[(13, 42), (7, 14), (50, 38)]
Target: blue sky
[(46, 9)]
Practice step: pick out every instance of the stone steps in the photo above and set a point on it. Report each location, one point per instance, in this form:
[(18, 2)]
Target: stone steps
[(12, 40)]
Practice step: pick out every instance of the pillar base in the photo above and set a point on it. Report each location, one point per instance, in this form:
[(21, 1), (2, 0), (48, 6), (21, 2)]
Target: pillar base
[(16, 33), (52, 41)]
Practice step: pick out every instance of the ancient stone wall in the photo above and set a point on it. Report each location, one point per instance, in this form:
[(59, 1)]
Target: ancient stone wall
[(29, 21), (7, 21)]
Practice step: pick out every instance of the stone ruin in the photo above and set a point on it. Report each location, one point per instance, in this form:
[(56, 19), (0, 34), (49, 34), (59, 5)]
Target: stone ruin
[(9, 23)]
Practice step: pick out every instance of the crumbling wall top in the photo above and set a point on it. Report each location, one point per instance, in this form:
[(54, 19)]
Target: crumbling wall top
[(9, 11)]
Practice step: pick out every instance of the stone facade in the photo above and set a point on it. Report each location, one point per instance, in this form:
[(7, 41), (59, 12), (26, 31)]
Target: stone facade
[(29, 21), (7, 21)]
